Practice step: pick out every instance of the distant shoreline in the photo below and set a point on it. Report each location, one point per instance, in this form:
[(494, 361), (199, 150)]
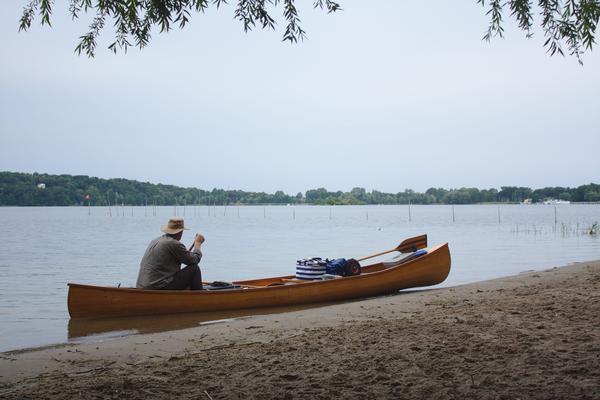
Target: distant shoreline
[(23, 189), (309, 205)]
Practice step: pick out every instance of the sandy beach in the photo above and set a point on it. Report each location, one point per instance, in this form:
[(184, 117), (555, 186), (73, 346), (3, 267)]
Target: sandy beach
[(531, 336)]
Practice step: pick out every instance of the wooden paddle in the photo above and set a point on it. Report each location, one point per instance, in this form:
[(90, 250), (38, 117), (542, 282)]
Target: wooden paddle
[(407, 246)]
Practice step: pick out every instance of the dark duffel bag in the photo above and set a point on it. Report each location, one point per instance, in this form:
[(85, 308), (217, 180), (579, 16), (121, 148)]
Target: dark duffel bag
[(352, 267), (343, 267)]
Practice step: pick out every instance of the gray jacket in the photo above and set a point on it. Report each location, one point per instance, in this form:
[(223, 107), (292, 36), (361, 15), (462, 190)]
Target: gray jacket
[(162, 260)]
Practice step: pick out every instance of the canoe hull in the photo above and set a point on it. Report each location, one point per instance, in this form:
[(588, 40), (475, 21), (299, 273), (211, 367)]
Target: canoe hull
[(86, 301)]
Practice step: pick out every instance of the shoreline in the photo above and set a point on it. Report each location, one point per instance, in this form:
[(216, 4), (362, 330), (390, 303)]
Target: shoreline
[(485, 203), (91, 337), (532, 335)]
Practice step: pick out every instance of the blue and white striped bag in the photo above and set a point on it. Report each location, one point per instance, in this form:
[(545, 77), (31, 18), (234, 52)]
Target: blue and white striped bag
[(310, 268)]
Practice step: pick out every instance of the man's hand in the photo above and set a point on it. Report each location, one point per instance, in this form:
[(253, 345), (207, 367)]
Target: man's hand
[(198, 240)]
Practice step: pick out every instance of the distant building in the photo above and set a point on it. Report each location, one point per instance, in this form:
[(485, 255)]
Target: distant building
[(555, 201), (528, 201), (41, 186)]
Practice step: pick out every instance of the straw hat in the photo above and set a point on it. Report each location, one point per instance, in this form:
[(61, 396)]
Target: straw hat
[(174, 226)]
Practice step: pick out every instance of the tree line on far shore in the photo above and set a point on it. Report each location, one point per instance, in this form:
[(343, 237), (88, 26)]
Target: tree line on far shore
[(23, 189)]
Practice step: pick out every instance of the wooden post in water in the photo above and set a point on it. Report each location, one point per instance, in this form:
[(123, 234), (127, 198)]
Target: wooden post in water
[(367, 215), (498, 214), (122, 208), (555, 219), (409, 213), (330, 211), (453, 218), (132, 210), (108, 203)]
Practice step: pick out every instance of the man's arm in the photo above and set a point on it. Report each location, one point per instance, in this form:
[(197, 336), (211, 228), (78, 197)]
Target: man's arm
[(189, 257)]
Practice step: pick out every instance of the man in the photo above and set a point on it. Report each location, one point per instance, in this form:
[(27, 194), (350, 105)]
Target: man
[(160, 267)]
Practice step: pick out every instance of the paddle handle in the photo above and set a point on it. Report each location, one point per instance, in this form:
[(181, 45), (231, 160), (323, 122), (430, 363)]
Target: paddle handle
[(194, 242)]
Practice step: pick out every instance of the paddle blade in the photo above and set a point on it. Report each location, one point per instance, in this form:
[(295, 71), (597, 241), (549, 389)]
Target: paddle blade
[(412, 244)]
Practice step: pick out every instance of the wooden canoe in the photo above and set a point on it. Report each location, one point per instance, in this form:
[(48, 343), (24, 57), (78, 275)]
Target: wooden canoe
[(85, 301)]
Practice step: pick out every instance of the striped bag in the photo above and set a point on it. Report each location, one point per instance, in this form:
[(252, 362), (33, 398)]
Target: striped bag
[(310, 268)]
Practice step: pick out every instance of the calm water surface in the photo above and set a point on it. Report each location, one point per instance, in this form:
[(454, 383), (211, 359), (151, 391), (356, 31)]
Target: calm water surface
[(41, 249)]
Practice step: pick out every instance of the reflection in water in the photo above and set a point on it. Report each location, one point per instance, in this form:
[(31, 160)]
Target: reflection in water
[(94, 329), (83, 330)]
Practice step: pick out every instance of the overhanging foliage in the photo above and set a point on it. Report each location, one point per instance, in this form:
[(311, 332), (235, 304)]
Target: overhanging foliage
[(569, 24), (134, 20)]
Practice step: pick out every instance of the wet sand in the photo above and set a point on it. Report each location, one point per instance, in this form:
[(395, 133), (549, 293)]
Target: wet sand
[(532, 336)]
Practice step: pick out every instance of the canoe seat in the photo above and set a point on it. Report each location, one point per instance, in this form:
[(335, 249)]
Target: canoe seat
[(218, 285), (402, 258)]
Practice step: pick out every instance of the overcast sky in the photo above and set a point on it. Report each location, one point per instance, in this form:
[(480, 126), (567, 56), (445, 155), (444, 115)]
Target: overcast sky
[(385, 95)]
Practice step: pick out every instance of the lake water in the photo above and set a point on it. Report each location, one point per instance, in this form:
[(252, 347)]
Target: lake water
[(41, 249)]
